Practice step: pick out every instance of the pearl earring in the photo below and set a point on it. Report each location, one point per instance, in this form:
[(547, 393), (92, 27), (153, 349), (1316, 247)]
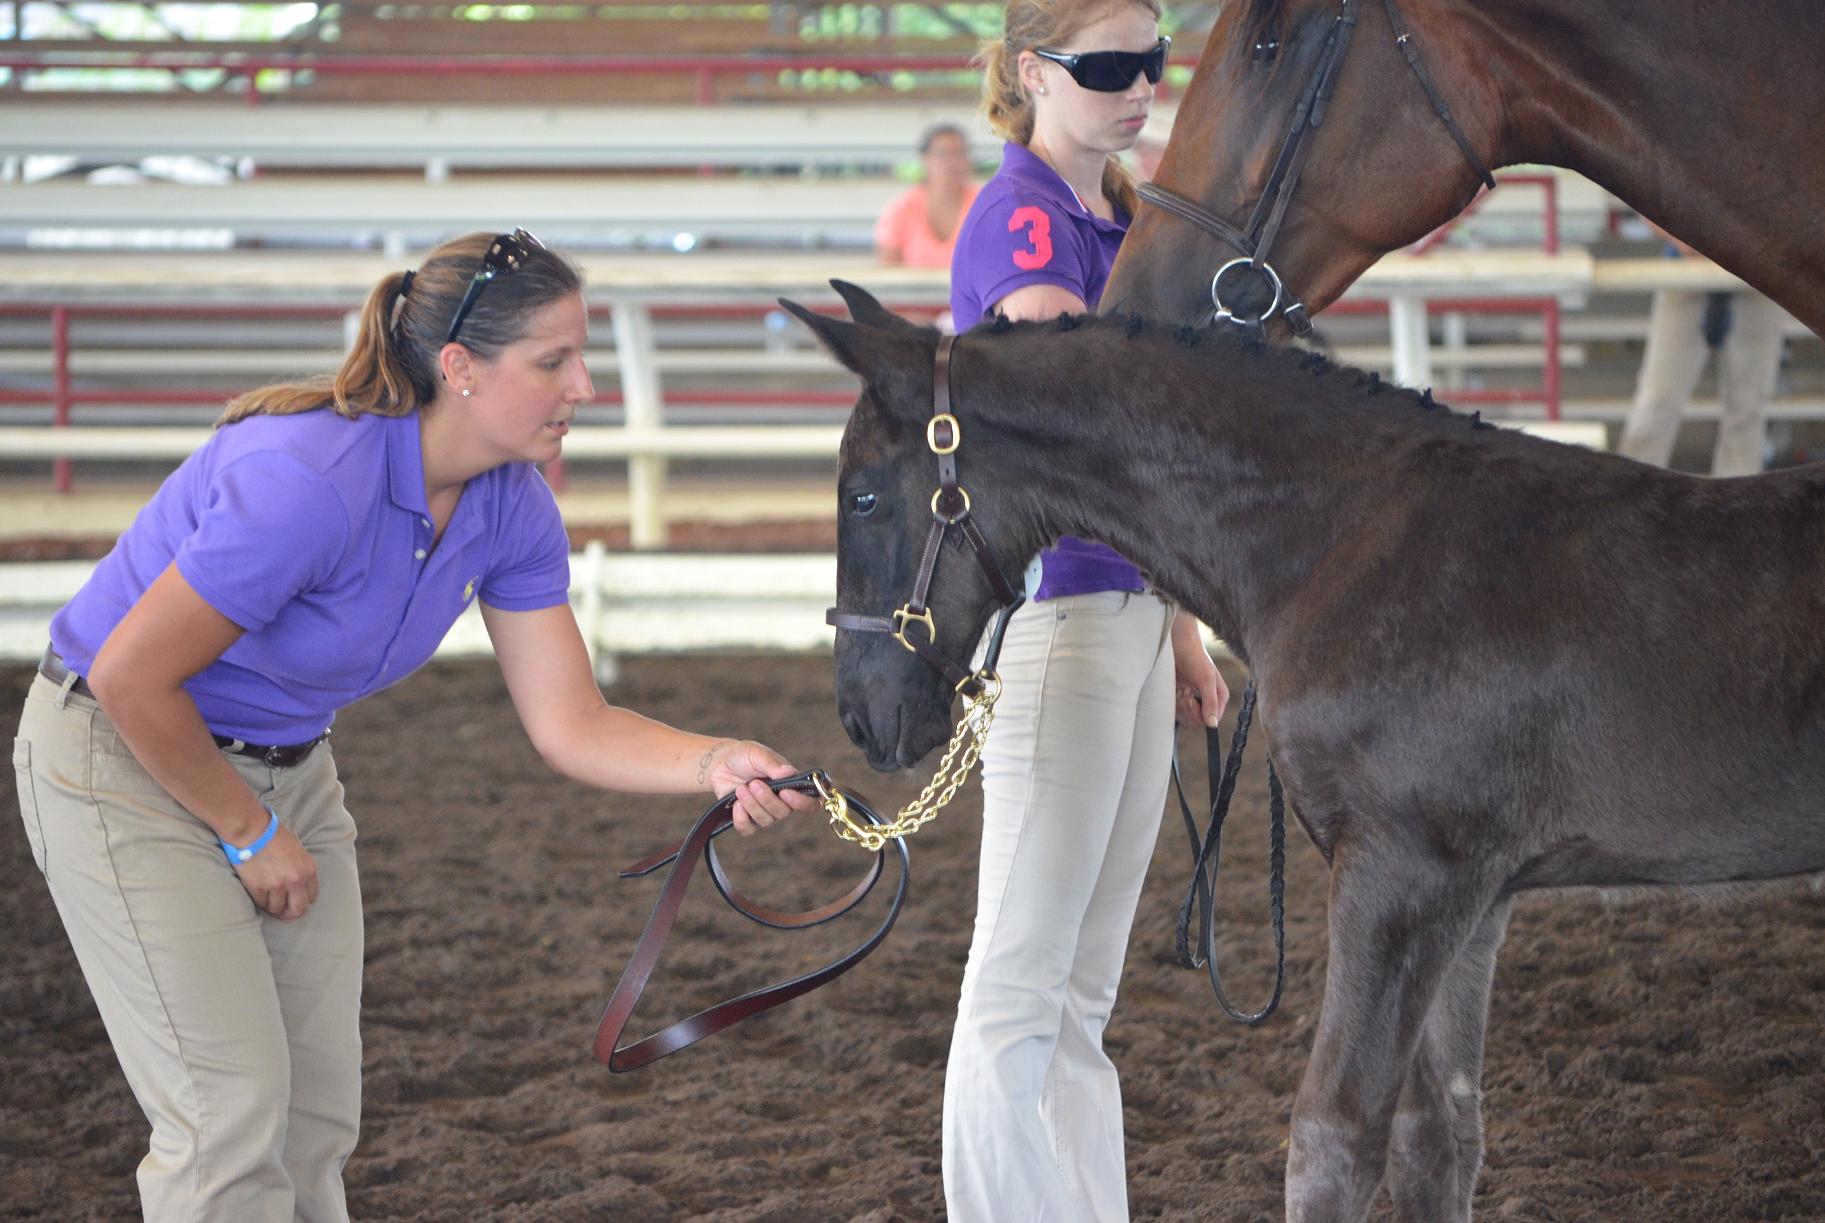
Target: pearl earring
[(465, 392)]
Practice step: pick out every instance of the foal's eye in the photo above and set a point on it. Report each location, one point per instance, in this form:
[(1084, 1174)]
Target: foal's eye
[(862, 504), (1265, 50)]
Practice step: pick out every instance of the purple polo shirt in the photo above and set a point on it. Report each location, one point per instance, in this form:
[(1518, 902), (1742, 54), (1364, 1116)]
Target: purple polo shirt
[(311, 532), (1027, 227)]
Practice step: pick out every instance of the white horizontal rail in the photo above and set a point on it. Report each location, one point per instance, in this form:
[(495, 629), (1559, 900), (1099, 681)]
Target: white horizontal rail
[(488, 136), (126, 442), (205, 277), (141, 363), (646, 603), (548, 206), (281, 277)]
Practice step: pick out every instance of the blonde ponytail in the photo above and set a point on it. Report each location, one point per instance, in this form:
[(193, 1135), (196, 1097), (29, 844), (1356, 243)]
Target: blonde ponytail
[(1118, 186)]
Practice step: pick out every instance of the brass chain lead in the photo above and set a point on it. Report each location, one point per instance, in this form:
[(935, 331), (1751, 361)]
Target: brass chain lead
[(953, 769)]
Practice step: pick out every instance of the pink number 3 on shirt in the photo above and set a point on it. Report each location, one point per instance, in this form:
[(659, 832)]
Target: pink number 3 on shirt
[(1039, 236)]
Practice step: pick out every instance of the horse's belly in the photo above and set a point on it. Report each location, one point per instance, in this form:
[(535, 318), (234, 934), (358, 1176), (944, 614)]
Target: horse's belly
[(1697, 858)]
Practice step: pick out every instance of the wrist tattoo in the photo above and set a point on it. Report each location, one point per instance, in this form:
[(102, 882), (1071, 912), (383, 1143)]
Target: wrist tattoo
[(703, 766)]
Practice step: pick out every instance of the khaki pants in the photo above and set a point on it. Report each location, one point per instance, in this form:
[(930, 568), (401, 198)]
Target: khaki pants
[(1747, 364), (238, 1033), (1074, 784)]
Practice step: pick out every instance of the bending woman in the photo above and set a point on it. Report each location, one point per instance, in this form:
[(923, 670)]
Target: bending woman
[(177, 786), (1075, 769)]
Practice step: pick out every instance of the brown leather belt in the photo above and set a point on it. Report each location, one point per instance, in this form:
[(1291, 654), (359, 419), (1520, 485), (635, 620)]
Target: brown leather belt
[(683, 859), (273, 755)]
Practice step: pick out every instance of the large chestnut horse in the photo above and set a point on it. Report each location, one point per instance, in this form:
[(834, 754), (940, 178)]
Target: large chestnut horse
[(1488, 663), (1705, 117)]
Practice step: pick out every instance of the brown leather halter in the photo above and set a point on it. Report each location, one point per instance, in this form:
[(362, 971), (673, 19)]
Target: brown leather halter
[(1256, 240), (950, 507), (683, 859)]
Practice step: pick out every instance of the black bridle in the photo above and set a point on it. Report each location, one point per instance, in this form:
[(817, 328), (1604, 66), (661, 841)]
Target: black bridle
[(950, 507), (1256, 240)]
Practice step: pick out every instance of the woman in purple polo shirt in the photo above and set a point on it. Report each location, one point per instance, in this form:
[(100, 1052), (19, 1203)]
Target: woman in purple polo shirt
[(176, 787), (1075, 770)]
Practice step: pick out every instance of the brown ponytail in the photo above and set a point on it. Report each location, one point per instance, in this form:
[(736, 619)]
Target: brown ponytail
[(392, 367)]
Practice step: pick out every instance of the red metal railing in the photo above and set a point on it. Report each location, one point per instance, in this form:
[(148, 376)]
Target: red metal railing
[(1551, 373)]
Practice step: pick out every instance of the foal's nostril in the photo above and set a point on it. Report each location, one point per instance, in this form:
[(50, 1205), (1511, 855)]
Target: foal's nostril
[(852, 726)]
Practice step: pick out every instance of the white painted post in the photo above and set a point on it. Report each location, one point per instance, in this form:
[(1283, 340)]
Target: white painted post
[(633, 326), (589, 614), (351, 330), (1455, 332), (1407, 331)]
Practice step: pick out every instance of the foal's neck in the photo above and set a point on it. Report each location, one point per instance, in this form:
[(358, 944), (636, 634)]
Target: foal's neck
[(1227, 492)]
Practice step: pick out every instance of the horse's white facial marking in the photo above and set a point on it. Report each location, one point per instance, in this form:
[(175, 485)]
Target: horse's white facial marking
[(1461, 1087)]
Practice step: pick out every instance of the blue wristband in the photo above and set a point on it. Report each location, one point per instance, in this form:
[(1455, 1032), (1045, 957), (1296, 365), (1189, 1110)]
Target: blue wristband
[(237, 854)]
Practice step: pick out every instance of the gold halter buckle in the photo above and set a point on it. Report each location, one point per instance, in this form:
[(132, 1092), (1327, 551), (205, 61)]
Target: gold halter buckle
[(931, 433)]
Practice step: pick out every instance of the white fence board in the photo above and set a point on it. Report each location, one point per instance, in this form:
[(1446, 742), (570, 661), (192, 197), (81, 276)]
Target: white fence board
[(649, 603)]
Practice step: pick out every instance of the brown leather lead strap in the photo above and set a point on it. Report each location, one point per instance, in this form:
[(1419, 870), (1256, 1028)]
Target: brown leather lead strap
[(683, 858)]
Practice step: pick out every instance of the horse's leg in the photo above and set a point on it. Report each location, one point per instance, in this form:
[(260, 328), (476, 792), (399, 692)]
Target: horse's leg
[(1437, 1147), (1397, 920)]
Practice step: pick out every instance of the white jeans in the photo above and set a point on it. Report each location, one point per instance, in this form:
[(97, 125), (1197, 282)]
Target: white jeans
[(1074, 784), (1747, 365)]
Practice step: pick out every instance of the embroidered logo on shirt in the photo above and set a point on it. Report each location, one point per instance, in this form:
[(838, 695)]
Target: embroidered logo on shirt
[(469, 591), (1039, 236)]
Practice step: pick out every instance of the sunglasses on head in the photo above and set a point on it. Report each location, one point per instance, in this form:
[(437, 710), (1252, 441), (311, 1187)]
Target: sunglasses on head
[(1111, 71), (507, 253)]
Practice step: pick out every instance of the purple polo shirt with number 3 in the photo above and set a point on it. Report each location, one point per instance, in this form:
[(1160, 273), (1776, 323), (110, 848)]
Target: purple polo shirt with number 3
[(1027, 227), (311, 532)]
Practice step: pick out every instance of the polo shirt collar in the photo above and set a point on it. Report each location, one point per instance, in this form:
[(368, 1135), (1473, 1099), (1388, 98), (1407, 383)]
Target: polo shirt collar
[(405, 463), (1034, 171), (406, 484)]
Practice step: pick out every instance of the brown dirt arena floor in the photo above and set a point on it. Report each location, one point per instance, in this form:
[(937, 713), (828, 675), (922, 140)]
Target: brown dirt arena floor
[(1661, 1060)]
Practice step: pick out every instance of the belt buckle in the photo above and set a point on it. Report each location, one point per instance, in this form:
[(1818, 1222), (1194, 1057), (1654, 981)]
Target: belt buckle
[(274, 757)]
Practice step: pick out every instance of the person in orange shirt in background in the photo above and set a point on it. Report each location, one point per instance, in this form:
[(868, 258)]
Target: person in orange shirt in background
[(919, 227)]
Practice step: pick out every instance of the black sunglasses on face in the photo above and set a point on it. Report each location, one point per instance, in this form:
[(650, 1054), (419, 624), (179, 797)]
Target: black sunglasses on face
[(507, 253), (1111, 71)]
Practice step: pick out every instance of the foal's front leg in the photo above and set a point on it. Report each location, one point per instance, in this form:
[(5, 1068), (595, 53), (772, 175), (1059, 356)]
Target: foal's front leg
[(1437, 1146), (1397, 920)]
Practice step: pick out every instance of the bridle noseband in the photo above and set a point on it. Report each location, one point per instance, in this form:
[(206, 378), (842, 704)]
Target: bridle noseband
[(1256, 240), (950, 507)]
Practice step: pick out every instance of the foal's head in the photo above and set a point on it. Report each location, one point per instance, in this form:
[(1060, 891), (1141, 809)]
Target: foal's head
[(894, 704)]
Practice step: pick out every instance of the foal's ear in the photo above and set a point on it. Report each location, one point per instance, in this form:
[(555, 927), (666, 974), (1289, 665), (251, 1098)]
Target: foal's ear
[(864, 309), (872, 352)]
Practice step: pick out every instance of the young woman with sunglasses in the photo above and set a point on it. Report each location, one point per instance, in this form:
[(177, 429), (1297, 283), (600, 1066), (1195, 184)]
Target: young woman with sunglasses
[(1075, 770), (176, 787)]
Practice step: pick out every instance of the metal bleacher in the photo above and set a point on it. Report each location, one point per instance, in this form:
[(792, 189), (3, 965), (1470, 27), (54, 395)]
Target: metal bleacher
[(165, 252)]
